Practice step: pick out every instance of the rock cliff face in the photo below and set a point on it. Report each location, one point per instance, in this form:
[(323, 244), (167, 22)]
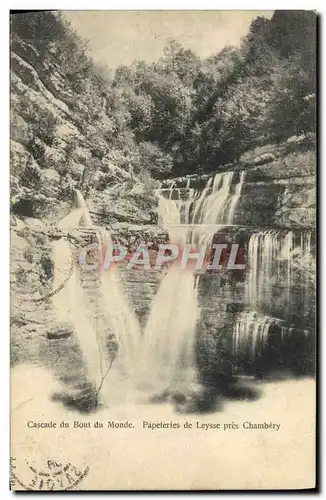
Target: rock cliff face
[(53, 149), (281, 193), (279, 188)]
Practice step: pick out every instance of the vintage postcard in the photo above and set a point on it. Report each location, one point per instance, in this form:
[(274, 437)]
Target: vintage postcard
[(163, 237)]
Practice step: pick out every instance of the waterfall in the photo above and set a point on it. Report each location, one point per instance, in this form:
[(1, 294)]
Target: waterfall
[(117, 313), (216, 205), (251, 330), (80, 203), (272, 259), (168, 211), (235, 198), (71, 220), (71, 307), (275, 260), (305, 244), (110, 307), (168, 345), (265, 251), (169, 338), (171, 190)]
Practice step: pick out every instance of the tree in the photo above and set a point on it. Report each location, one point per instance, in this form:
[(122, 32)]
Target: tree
[(293, 108), (154, 160)]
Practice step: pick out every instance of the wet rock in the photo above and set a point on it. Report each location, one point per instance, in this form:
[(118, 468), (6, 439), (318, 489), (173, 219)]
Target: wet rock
[(59, 332), (84, 400), (188, 398)]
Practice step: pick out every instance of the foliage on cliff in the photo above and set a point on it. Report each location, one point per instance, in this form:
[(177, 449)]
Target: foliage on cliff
[(178, 115), (206, 113), (70, 127)]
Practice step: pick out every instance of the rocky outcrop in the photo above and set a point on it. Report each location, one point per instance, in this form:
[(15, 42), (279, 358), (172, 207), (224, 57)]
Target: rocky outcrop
[(279, 188), (281, 193), (34, 329), (54, 149)]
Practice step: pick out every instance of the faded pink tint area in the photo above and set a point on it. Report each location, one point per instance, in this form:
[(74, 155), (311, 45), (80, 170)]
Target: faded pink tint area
[(216, 257)]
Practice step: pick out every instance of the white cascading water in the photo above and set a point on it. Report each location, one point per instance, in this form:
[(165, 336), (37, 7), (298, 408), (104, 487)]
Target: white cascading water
[(264, 252), (305, 245), (168, 350), (235, 199), (251, 332), (117, 313), (170, 333), (271, 262), (71, 307), (273, 256), (112, 308), (215, 206)]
